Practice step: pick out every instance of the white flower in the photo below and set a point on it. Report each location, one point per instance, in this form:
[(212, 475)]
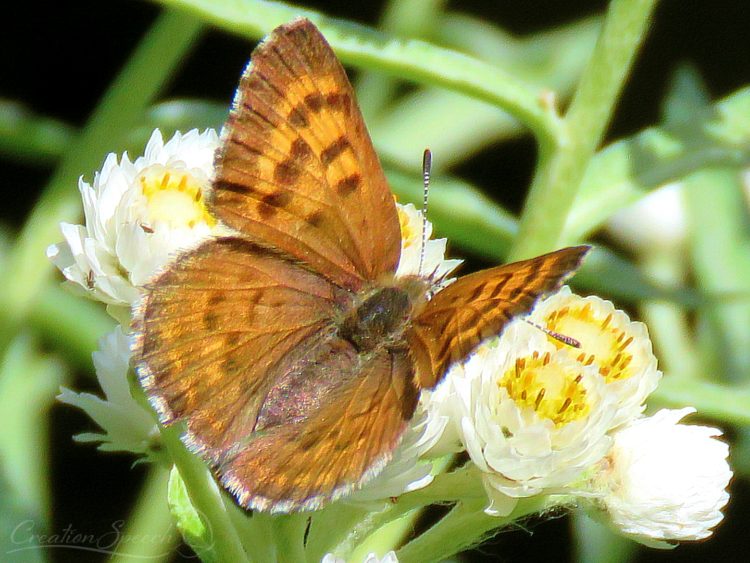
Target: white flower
[(404, 472), (389, 557), (656, 221), (664, 481), (434, 265), (137, 215), (619, 348), (127, 425), (531, 418)]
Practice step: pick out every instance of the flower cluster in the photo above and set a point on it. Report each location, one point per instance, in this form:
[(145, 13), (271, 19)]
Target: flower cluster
[(538, 415), (138, 216), (554, 405)]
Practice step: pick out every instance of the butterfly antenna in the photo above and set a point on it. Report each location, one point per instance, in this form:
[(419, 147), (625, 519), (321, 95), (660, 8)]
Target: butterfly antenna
[(426, 170), (569, 340)]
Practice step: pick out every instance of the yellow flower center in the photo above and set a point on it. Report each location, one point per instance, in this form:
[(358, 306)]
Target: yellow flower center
[(601, 342), (553, 390), (175, 197)]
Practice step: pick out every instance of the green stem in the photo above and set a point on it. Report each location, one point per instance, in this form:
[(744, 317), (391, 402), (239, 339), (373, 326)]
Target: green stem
[(206, 498), (386, 530), (561, 171), (150, 521), (123, 105), (464, 526), (596, 542), (401, 18), (668, 323), (289, 534), (408, 59)]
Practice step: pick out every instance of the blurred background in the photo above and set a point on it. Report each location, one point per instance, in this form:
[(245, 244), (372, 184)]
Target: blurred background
[(58, 60)]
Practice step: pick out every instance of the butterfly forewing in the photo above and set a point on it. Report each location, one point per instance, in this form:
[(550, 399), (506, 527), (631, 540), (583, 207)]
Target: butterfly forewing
[(478, 305), (297, 168)]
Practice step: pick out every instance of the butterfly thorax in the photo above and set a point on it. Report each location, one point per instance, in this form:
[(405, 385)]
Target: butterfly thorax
[(381, 315)]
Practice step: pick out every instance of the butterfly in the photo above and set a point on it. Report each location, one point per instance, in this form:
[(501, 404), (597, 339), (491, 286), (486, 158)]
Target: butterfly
[(291, 351)]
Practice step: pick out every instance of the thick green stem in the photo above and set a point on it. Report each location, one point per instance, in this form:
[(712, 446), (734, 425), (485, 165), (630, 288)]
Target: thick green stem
[(561, 169), (410, 59), (150, 534), (465, 525), (402, 18), (206, 498)]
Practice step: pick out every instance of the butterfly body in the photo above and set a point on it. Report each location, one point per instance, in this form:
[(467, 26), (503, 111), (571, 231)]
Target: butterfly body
[(291, 350)]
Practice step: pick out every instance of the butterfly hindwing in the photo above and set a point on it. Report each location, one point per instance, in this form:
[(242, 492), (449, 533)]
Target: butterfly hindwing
[(297, 168), (344, 443), (218, 329), (478, 305)]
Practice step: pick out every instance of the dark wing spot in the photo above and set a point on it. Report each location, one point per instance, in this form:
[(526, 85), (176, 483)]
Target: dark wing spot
[(233, 338), (298, 117), (333, 100), (286, 172), (300, 150), (216, 299), (515, 292), (315, 219), (266, 211), (314, 101), (229, 366), (348, 184), (211, 320), (332, 151), (236, 187), (477, 292), (338, 102), (279, 198)]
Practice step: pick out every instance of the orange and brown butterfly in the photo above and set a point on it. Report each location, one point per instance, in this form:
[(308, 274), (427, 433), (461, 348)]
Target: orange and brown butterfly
[(291, 351)]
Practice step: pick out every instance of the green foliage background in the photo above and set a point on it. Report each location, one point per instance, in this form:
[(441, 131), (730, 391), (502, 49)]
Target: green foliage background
[(464, 84)]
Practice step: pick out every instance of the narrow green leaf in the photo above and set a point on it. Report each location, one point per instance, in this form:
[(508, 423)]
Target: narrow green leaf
[(625, 171), (25, 135), (727, 403), (28, 385), (720, 240)]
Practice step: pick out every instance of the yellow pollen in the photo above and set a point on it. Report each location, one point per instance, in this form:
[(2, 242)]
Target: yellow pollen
[(602, 341), (174, 197), (553, 391), (409, 235)]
